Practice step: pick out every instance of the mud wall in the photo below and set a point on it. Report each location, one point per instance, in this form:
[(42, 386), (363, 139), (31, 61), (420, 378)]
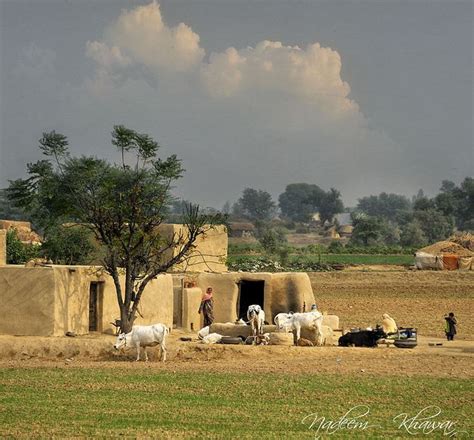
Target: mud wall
[(50, 301), (27, 298), (3, 247), (283, 292), (210, 251), (191, 300), (71, 307), (157, 302)]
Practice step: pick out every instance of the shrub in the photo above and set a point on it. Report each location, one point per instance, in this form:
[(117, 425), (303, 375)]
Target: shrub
[(315, 249), (19, 252), (272, 240), (335, 247)]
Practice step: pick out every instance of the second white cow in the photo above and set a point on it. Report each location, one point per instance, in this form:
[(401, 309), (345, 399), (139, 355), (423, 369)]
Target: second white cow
[(144, 336), (280, 319), (296, 321)]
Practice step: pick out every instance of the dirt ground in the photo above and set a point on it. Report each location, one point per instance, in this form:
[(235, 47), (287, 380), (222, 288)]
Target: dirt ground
[(455, 359), (421, 299)]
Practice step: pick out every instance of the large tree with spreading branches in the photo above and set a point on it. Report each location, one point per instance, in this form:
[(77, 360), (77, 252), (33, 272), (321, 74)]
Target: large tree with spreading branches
[(123, 205)]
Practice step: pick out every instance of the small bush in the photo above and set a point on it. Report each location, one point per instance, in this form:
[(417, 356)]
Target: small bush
[(244, 248), (315, 249), (18, 252), (335, 247)]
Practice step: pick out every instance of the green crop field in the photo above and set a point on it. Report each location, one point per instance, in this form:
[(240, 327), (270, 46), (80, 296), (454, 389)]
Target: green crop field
[(363, 259), (112, 403), (306, 261)]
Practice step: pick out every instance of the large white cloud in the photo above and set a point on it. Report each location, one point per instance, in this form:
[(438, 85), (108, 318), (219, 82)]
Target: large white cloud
[(141, 39), (142, 36), (311, 75)]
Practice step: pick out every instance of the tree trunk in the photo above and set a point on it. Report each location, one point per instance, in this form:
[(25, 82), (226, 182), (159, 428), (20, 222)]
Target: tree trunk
[(126, 320)]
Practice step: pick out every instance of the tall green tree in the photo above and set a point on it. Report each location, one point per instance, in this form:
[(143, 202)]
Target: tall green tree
[(257, 205), (412, 235), (384, 205), (330, 204), (465, 212), (300, 201), (435, 225), (7, 210), (367, 230), (122, 204), (457, 202)]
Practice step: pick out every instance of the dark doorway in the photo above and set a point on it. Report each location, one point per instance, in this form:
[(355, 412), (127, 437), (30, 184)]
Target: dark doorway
[(251, 292), (95, 307)]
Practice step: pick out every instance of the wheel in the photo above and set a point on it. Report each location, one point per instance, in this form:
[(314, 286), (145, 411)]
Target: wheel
[(405, 343)]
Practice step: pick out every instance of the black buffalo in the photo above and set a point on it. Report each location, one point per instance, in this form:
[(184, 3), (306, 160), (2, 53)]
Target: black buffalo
[(363, 338)]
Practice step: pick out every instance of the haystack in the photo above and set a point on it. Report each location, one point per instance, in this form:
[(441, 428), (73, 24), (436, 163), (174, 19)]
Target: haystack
[(447, 247), (465, 239), (447, 254)]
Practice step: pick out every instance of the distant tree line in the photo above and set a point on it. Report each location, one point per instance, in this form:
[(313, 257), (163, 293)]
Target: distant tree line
[(384, 219), (299, 202), (394, 219)]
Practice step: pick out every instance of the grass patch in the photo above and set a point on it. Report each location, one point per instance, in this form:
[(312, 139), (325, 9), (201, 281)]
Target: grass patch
[(104, 403)]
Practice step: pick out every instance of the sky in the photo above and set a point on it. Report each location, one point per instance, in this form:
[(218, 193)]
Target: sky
[(366, 96)]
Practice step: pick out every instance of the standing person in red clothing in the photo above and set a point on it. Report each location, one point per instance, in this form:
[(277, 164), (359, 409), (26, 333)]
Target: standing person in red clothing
[(207, 307)]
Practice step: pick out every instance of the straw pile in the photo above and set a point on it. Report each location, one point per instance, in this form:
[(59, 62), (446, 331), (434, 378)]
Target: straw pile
[(465, 239), (447, 247)]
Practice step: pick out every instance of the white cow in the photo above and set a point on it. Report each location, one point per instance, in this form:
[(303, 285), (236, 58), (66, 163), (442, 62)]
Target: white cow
[(280, 319), (256, 318), (296, 321), (144, 336)]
